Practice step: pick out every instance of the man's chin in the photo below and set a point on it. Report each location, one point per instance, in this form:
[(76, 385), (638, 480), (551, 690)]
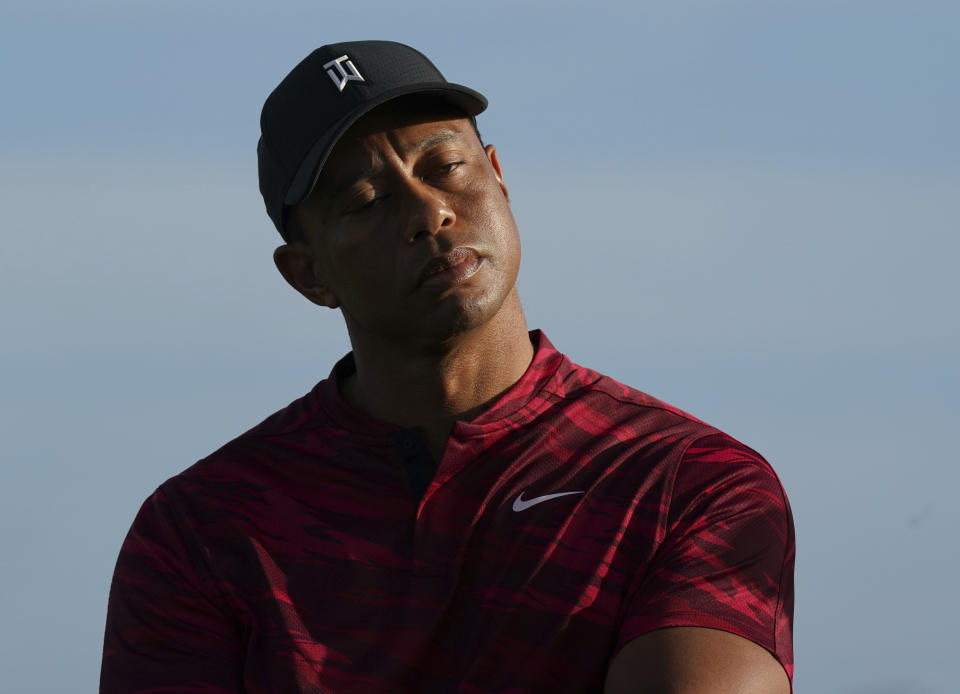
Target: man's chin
[(454, 320), (456, 316), (436, 325)]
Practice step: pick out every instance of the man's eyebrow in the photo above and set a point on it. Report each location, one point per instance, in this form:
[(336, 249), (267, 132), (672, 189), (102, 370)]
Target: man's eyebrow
[(438, 138), (345, 182)]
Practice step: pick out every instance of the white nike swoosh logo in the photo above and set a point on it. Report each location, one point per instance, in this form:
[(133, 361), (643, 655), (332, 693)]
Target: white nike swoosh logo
[(521, 504)]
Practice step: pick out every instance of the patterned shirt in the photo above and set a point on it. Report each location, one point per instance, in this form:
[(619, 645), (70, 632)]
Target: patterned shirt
[(325, 551)]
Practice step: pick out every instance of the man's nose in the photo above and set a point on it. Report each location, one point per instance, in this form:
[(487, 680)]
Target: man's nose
[(428, 211)]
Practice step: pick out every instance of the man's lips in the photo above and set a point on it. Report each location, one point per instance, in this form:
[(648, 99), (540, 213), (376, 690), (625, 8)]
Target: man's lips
[(450, 269)]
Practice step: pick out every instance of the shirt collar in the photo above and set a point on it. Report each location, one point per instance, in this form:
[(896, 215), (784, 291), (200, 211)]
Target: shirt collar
[(509, 409)]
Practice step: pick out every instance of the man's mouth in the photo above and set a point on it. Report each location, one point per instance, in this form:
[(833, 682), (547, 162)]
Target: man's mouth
[(450, 269)]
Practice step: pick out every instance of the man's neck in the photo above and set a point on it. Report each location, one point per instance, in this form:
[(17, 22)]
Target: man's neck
[(432, 389)]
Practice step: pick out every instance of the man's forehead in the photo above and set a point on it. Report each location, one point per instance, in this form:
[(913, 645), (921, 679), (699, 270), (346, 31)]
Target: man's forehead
[(361, 148), (397, 116), (410, 122)]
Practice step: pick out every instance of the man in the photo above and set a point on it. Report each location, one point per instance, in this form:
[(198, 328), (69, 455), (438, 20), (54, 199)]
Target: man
[(458, 507)]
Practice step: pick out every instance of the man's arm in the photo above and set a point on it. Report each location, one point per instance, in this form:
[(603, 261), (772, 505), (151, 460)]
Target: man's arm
[(166, 630), (712, 613), (694, 660)]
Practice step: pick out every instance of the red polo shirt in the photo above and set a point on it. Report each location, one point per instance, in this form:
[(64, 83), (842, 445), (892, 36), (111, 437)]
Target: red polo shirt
[(324, 551)]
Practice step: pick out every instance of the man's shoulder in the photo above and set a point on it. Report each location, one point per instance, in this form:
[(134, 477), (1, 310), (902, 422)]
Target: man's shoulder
[(286, 428), (622, 403), (583, 386)]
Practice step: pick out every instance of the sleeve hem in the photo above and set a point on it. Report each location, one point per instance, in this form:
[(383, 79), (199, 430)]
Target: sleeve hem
[(693, 619)]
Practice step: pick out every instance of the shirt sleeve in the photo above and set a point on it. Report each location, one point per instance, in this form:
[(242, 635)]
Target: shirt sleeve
[(727, 552), (168, 629)]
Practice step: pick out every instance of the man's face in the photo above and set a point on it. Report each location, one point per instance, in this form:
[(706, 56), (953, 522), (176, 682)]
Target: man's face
[(409, 228)]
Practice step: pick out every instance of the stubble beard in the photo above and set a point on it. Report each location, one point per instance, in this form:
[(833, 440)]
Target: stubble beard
[(437, 331)]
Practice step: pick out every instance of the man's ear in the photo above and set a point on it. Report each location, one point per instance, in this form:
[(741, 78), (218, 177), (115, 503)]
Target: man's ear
[(296, 263), (495, 163)]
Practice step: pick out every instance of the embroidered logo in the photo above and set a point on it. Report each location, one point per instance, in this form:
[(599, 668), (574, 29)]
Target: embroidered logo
[(342, 70), (521, 504)]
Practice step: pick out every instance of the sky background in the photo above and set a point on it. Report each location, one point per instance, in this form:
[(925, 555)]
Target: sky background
[(749, 209)]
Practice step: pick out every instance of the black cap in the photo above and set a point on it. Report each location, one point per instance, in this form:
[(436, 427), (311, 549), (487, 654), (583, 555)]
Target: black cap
[(324, 95)]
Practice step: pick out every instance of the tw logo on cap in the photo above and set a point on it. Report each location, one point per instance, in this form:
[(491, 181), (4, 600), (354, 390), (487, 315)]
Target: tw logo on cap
[(342, 70)]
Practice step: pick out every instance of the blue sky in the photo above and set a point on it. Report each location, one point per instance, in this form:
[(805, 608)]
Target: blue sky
[(748, 209)]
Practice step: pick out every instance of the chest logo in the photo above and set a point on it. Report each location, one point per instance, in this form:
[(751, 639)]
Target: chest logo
[(341, 70), (521, 504)]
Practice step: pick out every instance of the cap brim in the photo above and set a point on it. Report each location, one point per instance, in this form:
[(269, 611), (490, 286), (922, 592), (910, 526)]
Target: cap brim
[(469, 101)]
